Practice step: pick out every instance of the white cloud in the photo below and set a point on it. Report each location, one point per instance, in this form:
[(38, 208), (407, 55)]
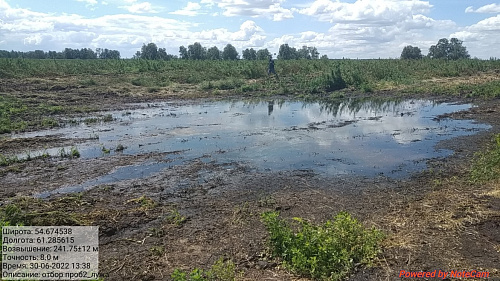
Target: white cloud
[(271, 9), (248, 35), (482, 39), (191, 9), (486, 9), (208, 3), (370, 29), (140, 8), (89, 2), (22, 29), (381, 12)]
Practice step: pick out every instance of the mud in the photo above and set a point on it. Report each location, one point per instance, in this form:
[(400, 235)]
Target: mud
[(433, 219)]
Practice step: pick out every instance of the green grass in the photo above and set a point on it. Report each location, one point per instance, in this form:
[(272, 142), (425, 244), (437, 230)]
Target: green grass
[(16, 115), (487, 164), (303, 76), (329, 252), (175, 218), (30, 211), (72, 153), (220, 271), (63, 153)]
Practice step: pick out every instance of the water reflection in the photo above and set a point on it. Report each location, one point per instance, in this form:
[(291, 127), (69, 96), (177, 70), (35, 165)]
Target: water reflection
[(343, 136)]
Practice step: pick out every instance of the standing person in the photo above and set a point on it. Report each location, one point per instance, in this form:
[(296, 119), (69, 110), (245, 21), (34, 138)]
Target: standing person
[(270, 69)]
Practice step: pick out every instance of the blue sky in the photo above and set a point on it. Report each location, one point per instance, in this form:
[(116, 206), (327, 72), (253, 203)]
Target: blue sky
[(338, 28)]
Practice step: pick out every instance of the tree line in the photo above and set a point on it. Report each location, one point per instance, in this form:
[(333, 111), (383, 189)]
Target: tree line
[(67, 53), (445, 49), (452, 49), (197, 52)]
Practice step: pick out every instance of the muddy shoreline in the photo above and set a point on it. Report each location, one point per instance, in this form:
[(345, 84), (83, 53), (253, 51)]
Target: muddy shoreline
[(434, 219)]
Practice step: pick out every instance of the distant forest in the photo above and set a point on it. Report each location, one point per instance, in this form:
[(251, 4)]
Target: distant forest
[(68, 53), (452, 49), (151, 52)]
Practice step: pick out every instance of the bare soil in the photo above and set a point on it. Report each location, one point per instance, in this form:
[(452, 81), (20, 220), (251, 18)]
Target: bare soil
[(435, 220)]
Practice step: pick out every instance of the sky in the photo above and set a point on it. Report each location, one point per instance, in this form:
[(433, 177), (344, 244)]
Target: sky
[(337, 28)]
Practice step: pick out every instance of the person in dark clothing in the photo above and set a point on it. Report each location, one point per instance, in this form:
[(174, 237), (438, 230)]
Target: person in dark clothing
[(270, 69)]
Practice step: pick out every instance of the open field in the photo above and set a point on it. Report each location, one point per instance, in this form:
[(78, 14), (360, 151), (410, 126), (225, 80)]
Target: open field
[(39, 89), (446, 217)]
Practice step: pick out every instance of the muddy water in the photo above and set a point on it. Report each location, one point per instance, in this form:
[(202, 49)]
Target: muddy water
[(352, 136)]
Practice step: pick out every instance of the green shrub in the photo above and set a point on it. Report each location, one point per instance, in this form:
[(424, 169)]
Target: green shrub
[(334, 81), (330, 251)]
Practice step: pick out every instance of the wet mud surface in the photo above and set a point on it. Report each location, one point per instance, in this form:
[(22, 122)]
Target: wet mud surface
[(193, 209)]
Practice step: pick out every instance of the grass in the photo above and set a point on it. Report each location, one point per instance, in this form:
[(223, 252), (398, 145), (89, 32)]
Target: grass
[(486, 166), (6, 160), (94, 120), (328, 252), (175, 218), (220, 271), (296, 76), (72, 153), (30, 211), (144, 202), (120, 147), (105, 150)]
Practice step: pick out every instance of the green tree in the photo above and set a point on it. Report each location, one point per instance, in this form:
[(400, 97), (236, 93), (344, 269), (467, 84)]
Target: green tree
[(451, 50), (111, 54), (263, 54), (213, 53), (287, 53), (51, 55), (457, 50), (196, 52), (149, 51), (69, 53), (410, 52), (162, 54), (324, 57), (314, 53), (304, 53), (39, 54), (183, 52), (230, 53), (249, 54), (114, 54)]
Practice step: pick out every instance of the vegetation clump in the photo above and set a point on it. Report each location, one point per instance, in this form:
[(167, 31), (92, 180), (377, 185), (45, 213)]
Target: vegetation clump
[(330, 251), (72, 153), (220, 271)]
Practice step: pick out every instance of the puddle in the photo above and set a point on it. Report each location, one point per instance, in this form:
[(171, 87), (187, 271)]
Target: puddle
[(122, 173), (351, 136)]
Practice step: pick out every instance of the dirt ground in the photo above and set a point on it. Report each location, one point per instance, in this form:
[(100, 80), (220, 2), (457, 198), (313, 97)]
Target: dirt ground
[(435, 220)]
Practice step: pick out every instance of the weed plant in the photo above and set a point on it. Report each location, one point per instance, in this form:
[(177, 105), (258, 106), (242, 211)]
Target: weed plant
[(72, 153), (329, 251), (175, 218)]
